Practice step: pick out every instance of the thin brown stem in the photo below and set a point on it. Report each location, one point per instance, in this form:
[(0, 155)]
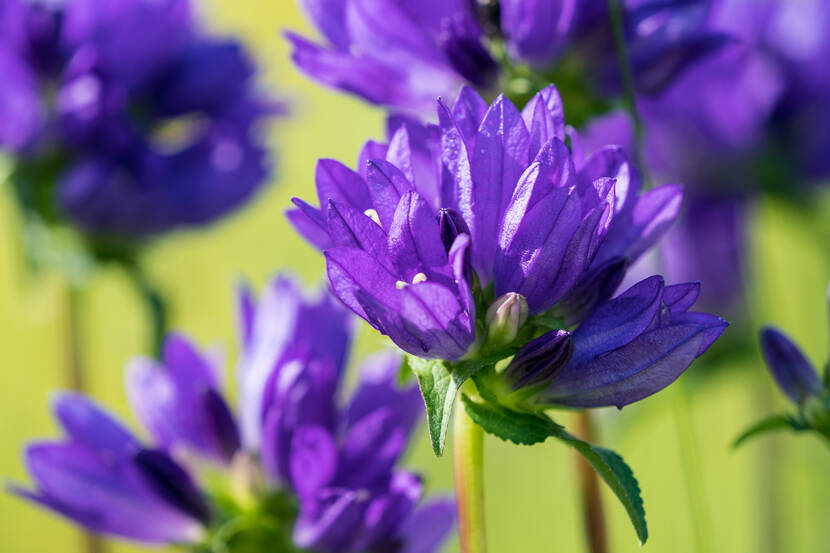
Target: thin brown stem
[(594, 516)]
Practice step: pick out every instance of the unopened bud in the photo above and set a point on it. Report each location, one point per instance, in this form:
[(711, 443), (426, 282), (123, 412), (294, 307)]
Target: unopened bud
[(505, 317), (540, 360)]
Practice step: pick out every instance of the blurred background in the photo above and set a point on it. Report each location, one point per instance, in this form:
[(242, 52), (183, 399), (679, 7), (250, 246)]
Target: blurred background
[(700, 495)]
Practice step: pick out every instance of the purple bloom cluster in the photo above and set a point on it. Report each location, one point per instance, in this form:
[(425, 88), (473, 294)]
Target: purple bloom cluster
[(338, 461), (420, 246), (750, 118), (405, 54), (140, 122)]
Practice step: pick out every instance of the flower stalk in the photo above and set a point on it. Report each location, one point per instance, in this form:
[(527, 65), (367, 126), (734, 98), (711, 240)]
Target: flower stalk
[(468, 459), (595, 531), (75, 378)]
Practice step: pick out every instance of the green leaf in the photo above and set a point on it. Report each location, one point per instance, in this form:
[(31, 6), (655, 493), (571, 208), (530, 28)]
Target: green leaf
[(617, 475), (769, 424), (529, 429), (439, 381), (509, 425)]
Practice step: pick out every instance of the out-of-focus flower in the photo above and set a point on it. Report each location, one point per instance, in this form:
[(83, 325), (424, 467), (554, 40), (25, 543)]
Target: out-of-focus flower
[(798, 380), (179, 401), (793, 373), (335, 463), (125, 118), (749, 119), (103, 478), (438, 46), (397, 54)]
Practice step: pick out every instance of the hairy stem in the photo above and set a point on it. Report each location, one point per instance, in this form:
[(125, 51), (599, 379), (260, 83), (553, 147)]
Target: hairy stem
[(692, 470), (595, 532), (154, 303), (76, 379), (468, 441)]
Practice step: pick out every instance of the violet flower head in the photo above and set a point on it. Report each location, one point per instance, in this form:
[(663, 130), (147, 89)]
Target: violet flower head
[(793, 373), (633, 346), (178, 399), (747, 120), (398, 54), (339, 460), (322, 473), (102, 477), (125, 117), (663, 38), (515, 213), (403, 55)]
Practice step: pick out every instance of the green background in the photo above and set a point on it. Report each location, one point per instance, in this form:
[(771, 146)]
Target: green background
[(700, 496)]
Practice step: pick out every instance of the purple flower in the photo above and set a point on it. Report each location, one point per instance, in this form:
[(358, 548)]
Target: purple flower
[(438, 46), (746, 120), (793, 373), (663, 38), (339, 460), (398, 54), (633, 346), (101, 477), (143, 122), (179, 401), (514, 206), (336, 461)]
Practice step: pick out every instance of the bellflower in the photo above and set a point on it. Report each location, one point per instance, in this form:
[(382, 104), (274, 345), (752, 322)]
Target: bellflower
[(745, 120), (125, 117), (104, 479), (405, 260), (798, 379), (437, 47), (517, 255), (322, 473)]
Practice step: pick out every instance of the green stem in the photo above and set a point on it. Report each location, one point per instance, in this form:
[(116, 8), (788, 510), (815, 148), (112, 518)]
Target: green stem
[(692, 470), (627, 80), (468, 452), (154, 303), (595, 532), (76, 379)]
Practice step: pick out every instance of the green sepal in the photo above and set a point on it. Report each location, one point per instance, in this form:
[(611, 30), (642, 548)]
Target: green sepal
[(440, 381), (529, 428), (770, 424)]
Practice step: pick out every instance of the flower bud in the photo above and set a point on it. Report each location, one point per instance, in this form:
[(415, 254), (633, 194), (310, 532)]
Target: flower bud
[(540, 360), (451, 224), (505, 317), (594, 289), (792, 371)]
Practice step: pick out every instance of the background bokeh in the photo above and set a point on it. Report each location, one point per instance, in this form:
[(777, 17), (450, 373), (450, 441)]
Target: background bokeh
[(700, 495)]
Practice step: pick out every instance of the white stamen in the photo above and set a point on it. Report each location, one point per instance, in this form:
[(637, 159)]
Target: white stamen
[(400, 285), (373, 215), (418, 278)]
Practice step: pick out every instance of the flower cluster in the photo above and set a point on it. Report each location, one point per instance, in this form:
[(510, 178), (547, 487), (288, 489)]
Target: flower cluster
[(507, 242), (750, 118), (405, 54), (299, 468), (798, 380), (125, 117)]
